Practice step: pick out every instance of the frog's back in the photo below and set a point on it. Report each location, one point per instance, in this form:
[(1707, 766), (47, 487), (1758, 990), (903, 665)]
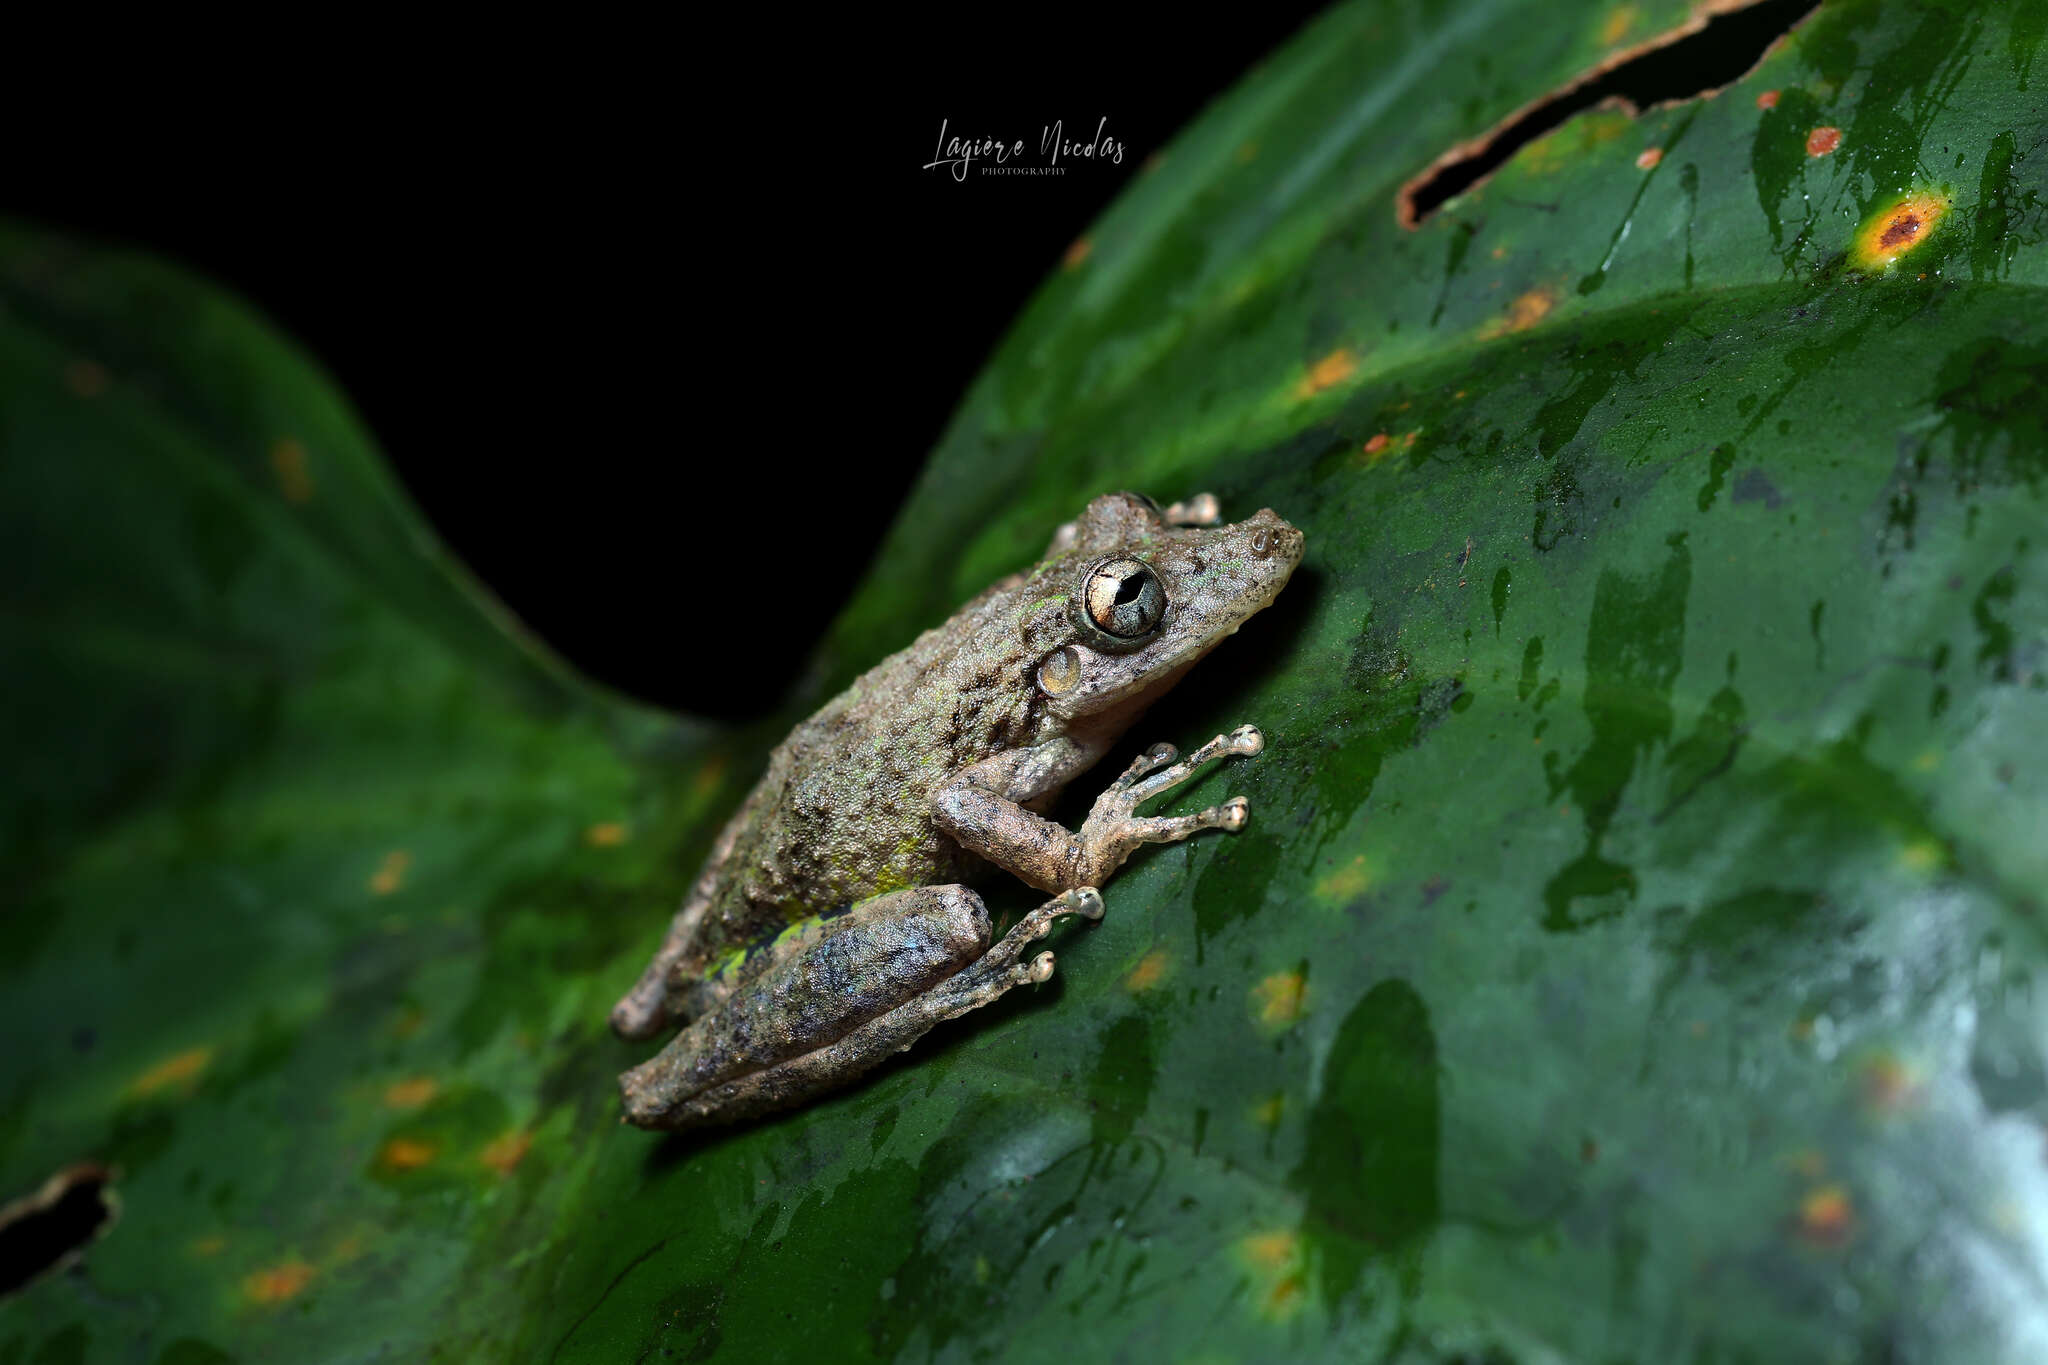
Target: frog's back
[(844, 810)]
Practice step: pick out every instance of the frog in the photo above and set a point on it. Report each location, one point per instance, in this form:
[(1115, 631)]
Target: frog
[(834, 922)]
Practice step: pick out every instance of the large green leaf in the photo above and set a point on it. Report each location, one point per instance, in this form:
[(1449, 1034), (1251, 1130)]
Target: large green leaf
[(1636, 952)]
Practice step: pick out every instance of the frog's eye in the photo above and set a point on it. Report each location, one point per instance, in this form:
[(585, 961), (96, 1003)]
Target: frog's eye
[(1059, 671), (1124, 598)]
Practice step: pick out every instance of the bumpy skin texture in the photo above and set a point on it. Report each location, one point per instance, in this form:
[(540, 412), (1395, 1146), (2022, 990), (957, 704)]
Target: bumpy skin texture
[(931, 766)]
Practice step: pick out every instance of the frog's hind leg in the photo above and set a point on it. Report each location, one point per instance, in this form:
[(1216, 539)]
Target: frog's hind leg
[(654, 1001), (843, 1005)]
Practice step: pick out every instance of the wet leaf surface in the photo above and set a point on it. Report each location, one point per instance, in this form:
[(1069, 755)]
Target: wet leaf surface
[(1634, 950)]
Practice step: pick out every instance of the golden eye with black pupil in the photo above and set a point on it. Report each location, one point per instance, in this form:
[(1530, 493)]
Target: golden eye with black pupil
[(1123, 597), (1059, 671)]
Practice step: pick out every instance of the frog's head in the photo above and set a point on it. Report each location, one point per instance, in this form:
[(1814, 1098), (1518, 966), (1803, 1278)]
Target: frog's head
[(1143, 600)]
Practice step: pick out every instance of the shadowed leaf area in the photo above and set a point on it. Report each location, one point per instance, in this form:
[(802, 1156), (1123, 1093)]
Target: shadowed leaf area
[(1634, 951)]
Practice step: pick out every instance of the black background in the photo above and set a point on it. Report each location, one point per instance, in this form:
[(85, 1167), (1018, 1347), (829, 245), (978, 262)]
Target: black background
[(623, 307)]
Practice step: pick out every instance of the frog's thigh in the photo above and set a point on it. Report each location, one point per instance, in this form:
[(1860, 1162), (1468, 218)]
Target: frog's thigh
[(890, 949)]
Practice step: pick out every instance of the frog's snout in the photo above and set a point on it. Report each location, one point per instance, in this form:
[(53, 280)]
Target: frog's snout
[(1272, 538)]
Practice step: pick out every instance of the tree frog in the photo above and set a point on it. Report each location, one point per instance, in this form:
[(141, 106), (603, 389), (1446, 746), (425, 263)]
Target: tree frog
[(933, 765)]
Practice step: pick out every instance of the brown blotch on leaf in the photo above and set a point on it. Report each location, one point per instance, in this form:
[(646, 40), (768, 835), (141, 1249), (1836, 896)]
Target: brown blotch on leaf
[(1823, 140), (411, 1092), (1077, 252), (605, 834), (85, 378), (293, 470)]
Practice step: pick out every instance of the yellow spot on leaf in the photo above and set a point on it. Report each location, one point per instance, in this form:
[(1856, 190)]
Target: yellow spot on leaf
[(505, 1153), (1332, 370), (1922, 855), (390, 874), (605, 834), (1268, 1112), (1619, 21), (181, 1071), (294, 472), (1826, 1216), (410, 1093), (1526, 311), (1275, 1260), (85, 378), (279, 1282), (1077, 252), (405, 1154), (1899, 226), (1346, 882), (1271, 1251), (1149, 972), (1280, 998)]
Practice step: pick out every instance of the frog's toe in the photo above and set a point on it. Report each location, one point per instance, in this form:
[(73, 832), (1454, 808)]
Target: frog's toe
[(639, 1014)]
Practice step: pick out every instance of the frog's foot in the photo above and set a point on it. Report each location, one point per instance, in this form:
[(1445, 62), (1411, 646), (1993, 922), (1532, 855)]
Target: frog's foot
[(1200, 510), (1113, 829)]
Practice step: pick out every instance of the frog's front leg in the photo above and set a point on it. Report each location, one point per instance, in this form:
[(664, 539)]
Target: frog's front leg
[(984, 809), (874, 982)]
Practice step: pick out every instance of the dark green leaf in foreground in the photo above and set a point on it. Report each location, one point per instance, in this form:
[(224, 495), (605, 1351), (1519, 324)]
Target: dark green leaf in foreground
[(1637, 952)]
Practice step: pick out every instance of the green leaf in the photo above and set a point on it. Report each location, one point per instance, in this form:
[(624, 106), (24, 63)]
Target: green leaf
[(1636, 952)]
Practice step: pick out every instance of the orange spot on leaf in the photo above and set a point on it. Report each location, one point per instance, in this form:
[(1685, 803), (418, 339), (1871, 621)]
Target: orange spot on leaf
[(1619, 21), (1648, 158), (1077, 252), (405, 1154), (210, 1245), (505, 1153), (181, 1071), (1149, 972), (1767, 99), (410, 1093), (278, 1283), (1376, 445), (1528, 309), (1897, 228), (606, 834), (1333, 369), (294, 472), (390, 874), (1827, 1217), (1823, 140)]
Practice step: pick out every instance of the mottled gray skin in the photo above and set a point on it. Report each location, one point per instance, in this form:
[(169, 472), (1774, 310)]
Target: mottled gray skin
[(930, 767)]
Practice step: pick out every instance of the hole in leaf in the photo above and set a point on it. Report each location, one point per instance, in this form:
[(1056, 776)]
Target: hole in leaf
[(1718, 46), (46, 1229)]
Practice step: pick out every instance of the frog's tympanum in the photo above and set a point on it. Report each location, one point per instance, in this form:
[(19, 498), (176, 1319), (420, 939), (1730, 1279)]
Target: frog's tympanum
[(936, 763)]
